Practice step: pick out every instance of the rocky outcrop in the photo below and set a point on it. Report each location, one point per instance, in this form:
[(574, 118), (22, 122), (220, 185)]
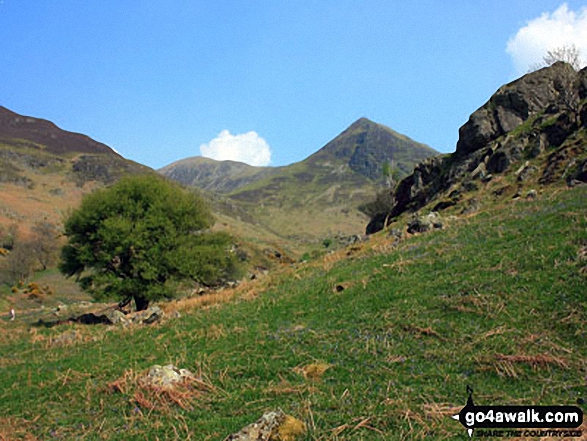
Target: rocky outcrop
[(541, 115), (516, 102)]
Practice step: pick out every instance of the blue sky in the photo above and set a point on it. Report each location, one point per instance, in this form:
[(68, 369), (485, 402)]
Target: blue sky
[(266, 80)]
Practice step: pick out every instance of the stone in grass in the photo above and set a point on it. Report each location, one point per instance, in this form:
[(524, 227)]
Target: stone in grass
[(67, 338), (422, 224), (166, 375), (146, 317), (117, 317), (272, 426)]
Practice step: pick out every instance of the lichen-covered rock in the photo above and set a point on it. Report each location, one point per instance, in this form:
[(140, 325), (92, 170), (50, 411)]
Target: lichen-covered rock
[(423, 224), (117, 317), (147, 316), (272, 426), (166, 375), (67, 338)]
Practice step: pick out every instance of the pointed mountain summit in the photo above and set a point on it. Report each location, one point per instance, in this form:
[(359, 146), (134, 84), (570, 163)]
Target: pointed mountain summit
[(365, 146)]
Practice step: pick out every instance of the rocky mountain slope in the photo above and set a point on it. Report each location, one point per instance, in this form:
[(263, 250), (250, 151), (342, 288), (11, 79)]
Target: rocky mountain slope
[(318, 196), (531, 133)]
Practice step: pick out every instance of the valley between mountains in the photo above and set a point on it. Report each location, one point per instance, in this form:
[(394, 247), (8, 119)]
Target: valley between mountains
[(381, 279)]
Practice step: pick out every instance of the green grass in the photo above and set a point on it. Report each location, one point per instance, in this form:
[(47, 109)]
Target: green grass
[(496, 302)]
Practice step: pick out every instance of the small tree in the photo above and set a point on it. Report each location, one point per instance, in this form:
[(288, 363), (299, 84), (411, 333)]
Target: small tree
[(45, 245), (136, 238), (390, 173), (567, 53), (20, 263)]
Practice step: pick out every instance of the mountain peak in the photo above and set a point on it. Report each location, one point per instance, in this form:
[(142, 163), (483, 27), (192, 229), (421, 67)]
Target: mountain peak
[(362, 123), (366, 145)]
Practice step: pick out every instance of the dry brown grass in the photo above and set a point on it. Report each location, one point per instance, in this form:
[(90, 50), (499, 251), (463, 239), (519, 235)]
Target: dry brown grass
[(509, 365), (313, 371), (425, 332), (284, 387), (16, 429), (244, 291), (187, 393)]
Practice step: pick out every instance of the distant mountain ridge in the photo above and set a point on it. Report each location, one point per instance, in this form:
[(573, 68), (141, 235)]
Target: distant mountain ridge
[(364, 146), (318, 196), (211, 175)]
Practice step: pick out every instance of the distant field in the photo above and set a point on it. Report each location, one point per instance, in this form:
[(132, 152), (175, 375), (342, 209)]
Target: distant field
[(374, 342)]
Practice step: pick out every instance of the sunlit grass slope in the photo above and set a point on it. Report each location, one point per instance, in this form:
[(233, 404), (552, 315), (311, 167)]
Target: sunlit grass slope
[(376, 342)]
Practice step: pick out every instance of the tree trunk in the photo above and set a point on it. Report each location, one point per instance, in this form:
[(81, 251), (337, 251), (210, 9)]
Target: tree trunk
[(141, 303)]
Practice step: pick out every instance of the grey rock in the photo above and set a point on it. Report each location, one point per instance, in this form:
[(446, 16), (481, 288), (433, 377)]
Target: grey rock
[(526, 172), (479, 172), (513, 104), (146, 317), (272, 426), (579, 175), (499, 162), (395, 232), (66, 338), (117, 317), (471, 207), (166, 375), (422, 224)]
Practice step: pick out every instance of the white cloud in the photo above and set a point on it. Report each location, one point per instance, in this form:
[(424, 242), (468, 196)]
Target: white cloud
[(249, 148), (563, 27)]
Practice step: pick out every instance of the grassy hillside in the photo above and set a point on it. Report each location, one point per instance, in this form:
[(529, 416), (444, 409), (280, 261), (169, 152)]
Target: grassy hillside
[(36, 184), (374, 342)]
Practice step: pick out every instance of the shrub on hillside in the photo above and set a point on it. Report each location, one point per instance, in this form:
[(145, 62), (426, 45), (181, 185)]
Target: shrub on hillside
[(138, 238)]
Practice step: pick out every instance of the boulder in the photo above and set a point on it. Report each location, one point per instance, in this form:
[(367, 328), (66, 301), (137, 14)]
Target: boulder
[(579, 175), (422, 224), (472, 206), (272, 426), (479, 172), (147, 316), (525, 172), (166, 375), (117, 317), (558, 128)]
